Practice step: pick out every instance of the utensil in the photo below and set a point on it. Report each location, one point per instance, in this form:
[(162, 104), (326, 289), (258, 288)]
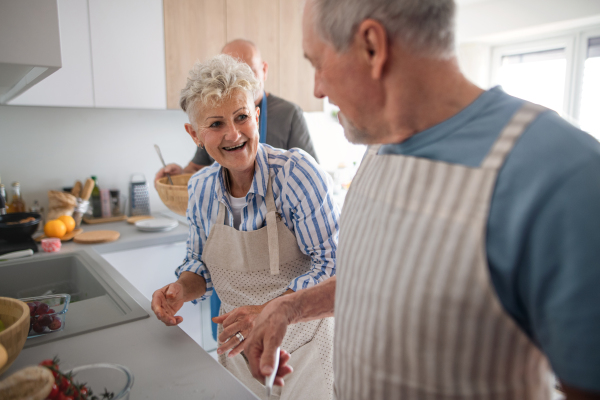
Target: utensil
[(13, 231), (114, 378), (16, 254), (271, 378), (163, 162), (76, 191), (139, 195)]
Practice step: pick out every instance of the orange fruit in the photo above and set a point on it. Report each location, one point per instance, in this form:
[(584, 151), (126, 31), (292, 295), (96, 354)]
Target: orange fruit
[(55, 228), (68, 221)]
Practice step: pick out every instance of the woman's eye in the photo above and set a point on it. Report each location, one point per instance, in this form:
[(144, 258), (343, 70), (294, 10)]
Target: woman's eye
[(215, 124), (242, 117)]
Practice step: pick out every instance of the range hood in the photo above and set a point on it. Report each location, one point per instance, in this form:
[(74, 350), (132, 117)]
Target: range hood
[(29, 44)]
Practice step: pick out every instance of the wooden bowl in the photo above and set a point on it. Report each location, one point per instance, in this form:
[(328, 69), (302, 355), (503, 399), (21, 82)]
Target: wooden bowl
[(15, 315), (175, 196)]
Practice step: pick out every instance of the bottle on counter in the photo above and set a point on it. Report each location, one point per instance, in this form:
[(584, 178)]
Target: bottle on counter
[(3, 194), (96, 203), (17, 203)]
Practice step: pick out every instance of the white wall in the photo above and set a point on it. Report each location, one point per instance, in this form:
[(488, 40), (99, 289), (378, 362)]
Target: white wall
[(47, 148)]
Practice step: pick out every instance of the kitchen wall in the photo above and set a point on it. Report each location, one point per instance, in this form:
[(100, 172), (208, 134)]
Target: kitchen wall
[(47, 148)]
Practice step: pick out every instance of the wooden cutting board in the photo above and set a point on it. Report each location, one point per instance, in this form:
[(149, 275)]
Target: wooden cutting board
[(96, 237), (66, 238), (133, 220)]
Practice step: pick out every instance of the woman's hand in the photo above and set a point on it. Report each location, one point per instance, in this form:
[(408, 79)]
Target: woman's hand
[(169, 299), (239, 320), (166, 302)]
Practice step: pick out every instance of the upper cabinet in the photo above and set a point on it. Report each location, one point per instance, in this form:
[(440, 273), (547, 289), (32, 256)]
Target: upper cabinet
[(113, 57), (128, 53), (197, 30), (194, 30), (29, 45), (137, 53)]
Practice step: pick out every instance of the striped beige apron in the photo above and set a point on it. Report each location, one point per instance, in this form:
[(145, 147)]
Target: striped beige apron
[(251, 268), (416, 314)]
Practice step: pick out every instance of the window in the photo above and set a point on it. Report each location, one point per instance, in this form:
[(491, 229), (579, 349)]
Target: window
[(538, 77), (589, 116), (561, 73)]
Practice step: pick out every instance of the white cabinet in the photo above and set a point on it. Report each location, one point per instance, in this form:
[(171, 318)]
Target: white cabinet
[(128, 53), (113, 57), (70, 86)]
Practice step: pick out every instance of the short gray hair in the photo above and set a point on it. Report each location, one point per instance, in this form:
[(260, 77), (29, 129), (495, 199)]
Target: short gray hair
[(215, 80), (427, 26)]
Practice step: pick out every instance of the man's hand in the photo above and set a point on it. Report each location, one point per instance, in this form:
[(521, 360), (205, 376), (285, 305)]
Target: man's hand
[(171, 169), (166, 302), (267, 335), (239, 320)]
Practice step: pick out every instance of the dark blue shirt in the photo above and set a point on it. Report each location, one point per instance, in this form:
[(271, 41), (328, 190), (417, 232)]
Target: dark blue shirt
[(543, 233)]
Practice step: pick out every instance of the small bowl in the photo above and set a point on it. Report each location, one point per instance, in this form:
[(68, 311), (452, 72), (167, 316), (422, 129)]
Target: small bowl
[(115, 378), (51, 245), (15, 316), (51, 322)]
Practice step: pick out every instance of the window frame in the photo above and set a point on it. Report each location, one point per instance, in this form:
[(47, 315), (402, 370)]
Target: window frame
[(574, 42)]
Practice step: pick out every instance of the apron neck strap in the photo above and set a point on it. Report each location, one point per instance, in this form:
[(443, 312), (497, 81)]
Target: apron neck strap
[(509, 135), (269, 199), (221, 214), (373, 149), (262, 126)]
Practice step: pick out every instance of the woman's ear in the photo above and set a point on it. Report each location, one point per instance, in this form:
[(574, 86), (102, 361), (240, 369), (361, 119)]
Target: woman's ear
[(193, 134)]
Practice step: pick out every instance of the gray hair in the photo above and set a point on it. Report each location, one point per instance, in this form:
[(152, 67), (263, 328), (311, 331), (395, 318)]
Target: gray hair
[(215, 80), (427, 26)]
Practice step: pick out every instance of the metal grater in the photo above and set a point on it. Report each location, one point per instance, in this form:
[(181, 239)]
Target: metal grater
[(139, 195)]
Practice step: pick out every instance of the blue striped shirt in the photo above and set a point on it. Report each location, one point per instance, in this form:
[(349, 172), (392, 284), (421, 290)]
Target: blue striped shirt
[(303, 197)]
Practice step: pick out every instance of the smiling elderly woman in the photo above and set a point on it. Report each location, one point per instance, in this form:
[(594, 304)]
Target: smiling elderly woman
[(262, 224)]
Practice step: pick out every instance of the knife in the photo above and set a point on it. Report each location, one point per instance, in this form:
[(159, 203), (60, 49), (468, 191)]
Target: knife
[(163, 162), (271, 378), (16, 254)]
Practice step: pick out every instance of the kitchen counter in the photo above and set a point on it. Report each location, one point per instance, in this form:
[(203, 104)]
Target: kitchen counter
[(165, 361)]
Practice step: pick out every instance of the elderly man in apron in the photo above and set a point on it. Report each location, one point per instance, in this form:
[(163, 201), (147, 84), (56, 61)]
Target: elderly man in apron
[(468, 255)]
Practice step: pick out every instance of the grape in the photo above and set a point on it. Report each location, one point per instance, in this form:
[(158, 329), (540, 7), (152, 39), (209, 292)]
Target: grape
[(38, 328), (45, 320), (32, 308), (42, 309), (56, 323)]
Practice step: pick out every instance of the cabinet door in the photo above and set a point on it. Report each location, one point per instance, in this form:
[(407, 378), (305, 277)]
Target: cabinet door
[(297, 74), (71, 85), (128, 57), (194, 31), (258, 21)]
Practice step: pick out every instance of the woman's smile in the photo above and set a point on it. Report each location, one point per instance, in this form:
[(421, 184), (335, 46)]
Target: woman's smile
[(235, 148)]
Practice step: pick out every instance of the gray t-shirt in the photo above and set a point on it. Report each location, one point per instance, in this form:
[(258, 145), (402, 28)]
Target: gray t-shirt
[(286, 128)]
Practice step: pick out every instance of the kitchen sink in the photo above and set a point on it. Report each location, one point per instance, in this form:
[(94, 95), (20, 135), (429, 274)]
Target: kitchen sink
[(97, 301)]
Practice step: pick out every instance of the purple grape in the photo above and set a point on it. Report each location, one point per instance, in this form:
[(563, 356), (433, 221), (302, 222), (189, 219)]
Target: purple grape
[(56, 323), (37, 327), (32, 308), (45, 320), (42, 309)]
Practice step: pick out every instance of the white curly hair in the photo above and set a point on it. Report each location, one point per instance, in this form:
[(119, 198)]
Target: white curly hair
[(213, 81)]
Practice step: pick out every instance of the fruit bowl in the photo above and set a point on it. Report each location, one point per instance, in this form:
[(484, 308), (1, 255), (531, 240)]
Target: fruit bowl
[(174, 196), (112, 378), (15, 316), (47, 314)]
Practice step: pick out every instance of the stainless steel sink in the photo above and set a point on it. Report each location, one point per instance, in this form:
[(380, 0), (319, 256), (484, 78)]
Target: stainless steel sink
[(97, 301)]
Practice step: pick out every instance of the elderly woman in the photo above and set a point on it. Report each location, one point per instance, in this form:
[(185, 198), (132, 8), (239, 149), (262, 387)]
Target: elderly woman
[(262, 224)]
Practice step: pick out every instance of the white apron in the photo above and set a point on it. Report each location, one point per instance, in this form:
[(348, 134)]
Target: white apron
[(416, 314), (251, 268)]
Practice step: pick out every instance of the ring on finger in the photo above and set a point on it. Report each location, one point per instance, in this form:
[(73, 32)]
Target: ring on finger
[(239, 336)]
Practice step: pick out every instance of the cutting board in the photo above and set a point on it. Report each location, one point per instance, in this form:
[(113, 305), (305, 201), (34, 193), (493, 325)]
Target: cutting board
[(97, 237), (66, 238), (89, 220), (133, 220)]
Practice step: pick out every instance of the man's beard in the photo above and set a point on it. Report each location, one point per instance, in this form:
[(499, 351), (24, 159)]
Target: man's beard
[(352, 133)]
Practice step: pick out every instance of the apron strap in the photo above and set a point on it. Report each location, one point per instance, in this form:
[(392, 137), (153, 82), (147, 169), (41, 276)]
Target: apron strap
[(272, 231), (372, 150), (221, 214), (509, 135)]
